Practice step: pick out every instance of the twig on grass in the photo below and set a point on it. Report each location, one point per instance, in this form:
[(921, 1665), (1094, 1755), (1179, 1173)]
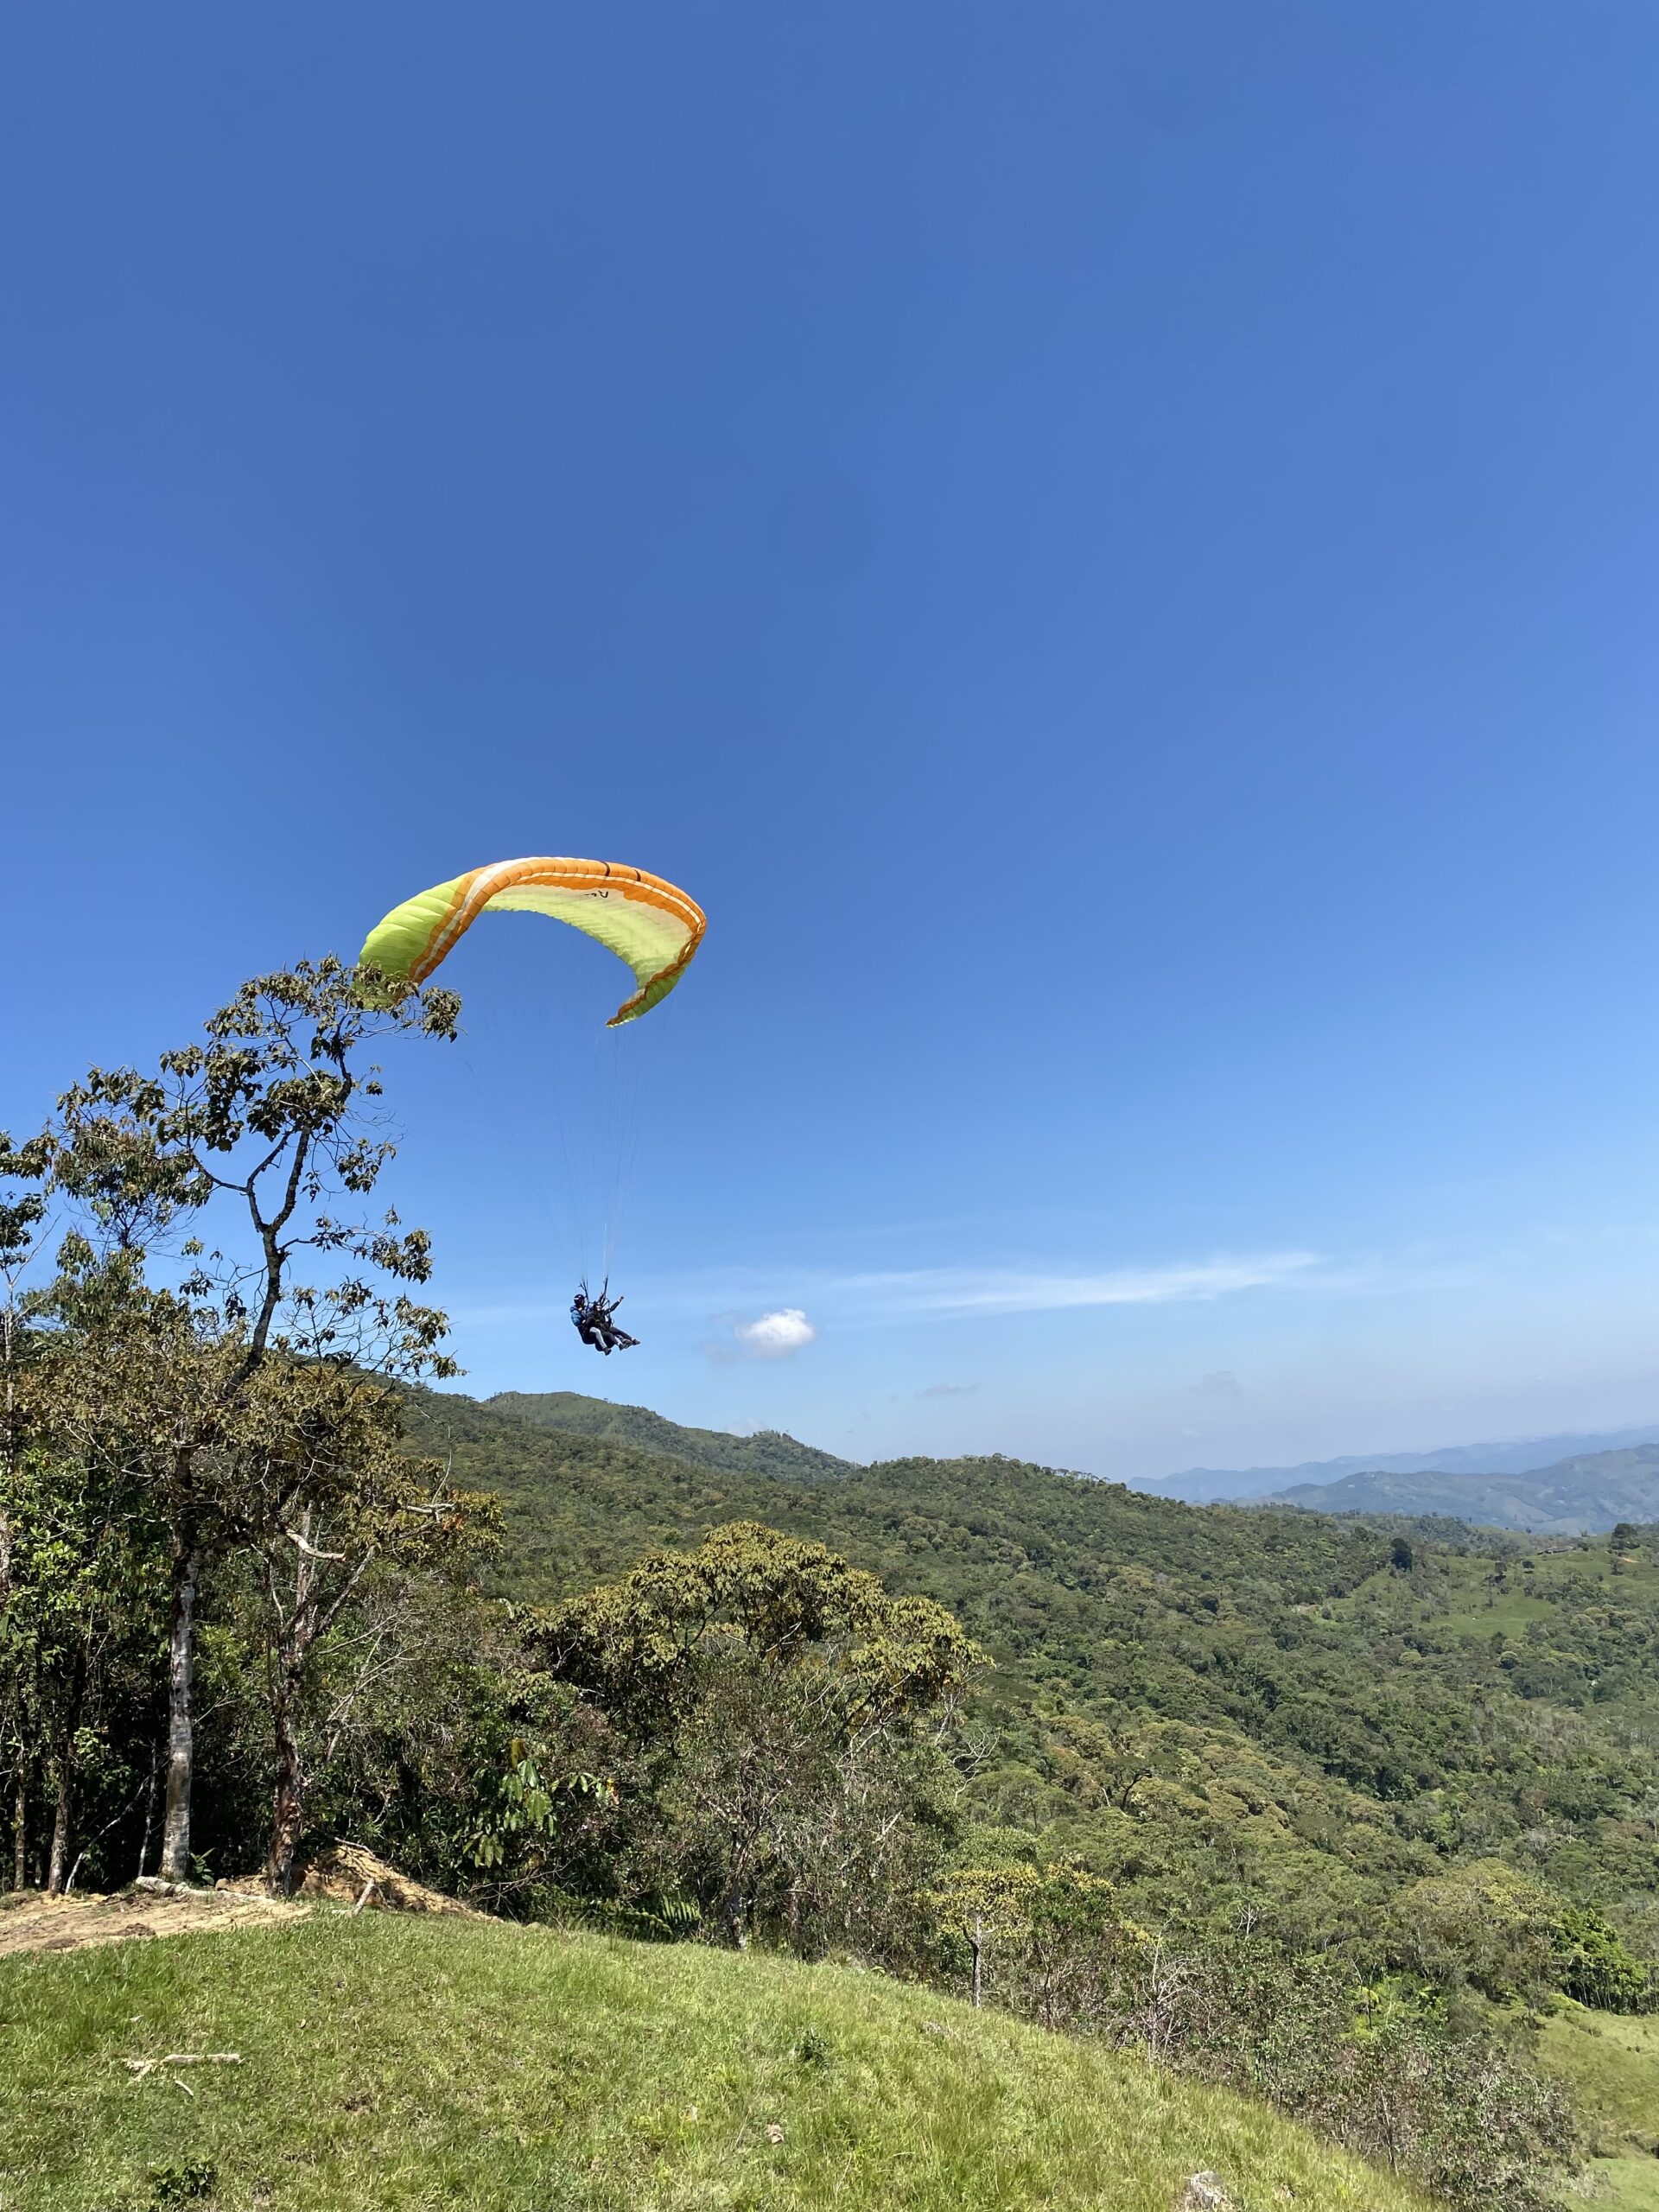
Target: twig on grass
[(139, 2067)]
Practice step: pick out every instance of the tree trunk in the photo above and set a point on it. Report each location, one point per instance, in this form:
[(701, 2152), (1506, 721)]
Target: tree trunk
[(20, 1804), (150, 1811), (59, 1864), (287, 1800), (977, 1939), (180, 1741)]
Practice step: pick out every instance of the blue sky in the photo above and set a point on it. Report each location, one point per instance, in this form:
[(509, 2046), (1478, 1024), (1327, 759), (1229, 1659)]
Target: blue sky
[(1112, 547)]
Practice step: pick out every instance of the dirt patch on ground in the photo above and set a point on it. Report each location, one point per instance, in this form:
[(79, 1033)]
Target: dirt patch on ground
[(337, 1875), (32, 1922)]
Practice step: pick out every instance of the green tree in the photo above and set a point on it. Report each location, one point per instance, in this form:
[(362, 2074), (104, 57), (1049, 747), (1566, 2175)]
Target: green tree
[(272, 1121), (794, 1710), (327, 1499), (82, 1605), (986, 1906), (1050, 1936), (22, 1210), (1487, 1923), (1595, 1966)]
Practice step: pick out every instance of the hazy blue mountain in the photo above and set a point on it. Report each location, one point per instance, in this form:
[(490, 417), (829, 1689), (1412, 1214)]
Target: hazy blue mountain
[(1579, 1496), (768, 1452), (1519, 1456)]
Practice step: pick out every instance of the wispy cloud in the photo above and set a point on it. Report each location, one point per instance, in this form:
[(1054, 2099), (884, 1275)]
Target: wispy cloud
[(881, 1298), (945, 1292)]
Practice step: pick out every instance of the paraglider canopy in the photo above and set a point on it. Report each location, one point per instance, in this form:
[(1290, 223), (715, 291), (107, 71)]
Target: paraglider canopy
[(652, 926)]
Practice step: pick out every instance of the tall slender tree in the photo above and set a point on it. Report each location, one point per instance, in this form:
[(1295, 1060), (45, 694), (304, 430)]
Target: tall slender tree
[(255, 1138), (22, 1212)]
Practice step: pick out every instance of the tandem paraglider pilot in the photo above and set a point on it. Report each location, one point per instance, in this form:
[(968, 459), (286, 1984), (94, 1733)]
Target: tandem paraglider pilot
[(595, 1323)]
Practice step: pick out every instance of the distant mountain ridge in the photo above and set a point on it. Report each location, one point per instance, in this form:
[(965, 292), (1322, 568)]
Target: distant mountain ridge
[(1584, 1495), (1517, 1456), (1530, 1486)]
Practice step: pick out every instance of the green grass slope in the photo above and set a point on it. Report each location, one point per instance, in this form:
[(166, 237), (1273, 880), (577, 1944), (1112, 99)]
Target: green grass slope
[(1609, 2062), (400, 2063)]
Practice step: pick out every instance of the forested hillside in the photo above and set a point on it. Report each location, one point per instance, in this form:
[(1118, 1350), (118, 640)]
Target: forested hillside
[(767, 1452), (1224, 1709)]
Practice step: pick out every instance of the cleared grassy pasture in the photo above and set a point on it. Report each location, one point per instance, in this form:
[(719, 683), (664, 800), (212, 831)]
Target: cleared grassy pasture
[(1609, 2061), (391, 2063)]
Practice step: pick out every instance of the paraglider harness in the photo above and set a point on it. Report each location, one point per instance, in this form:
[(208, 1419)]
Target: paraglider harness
[(595, 1323)]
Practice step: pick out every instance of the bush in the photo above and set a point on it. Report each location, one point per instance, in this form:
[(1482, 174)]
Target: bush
[(1386, 2069)]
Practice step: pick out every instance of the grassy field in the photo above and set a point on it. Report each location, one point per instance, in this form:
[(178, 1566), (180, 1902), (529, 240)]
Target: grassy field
[(1631, 2184), (1572, 1577), (1611, 2063), (395, 2062)]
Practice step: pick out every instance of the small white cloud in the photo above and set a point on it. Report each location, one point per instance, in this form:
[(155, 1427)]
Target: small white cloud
[(1220, 1383), (948, 1391), (774, 1335)]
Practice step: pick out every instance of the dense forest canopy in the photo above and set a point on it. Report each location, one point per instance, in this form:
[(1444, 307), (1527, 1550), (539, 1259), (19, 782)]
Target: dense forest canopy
[(1327, 1710)]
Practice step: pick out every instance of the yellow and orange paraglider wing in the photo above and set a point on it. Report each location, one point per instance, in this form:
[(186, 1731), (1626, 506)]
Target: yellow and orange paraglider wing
[(652, 926)]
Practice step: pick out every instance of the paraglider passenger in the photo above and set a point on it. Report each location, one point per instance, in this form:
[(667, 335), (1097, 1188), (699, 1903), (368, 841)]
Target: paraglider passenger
[(596, 1322)]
